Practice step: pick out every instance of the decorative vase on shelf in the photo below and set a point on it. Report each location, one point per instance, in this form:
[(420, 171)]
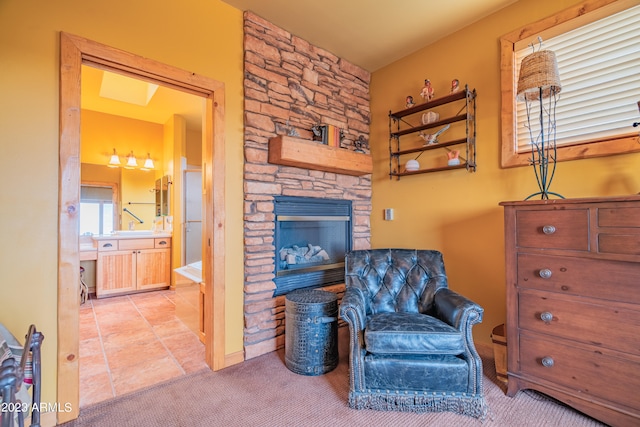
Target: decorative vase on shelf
[(430, 117), (452, 157)]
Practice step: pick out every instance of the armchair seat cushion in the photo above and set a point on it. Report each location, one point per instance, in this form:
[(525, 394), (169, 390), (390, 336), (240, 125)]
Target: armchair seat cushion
[(416, 373), (411, 333)]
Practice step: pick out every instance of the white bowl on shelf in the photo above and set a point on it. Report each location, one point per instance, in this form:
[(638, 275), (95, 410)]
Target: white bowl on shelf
[(412, 165)]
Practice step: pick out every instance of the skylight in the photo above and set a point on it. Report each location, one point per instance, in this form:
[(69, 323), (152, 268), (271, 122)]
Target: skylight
[(125, 89)]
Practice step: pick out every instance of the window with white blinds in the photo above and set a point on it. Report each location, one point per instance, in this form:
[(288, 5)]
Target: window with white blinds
[(97, 215), (599, 65)]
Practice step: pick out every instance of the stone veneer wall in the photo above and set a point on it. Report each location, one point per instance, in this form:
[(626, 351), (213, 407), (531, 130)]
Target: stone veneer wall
[(290, 84)]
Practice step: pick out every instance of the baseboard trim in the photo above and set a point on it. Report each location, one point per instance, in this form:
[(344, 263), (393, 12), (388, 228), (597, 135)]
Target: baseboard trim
[(47, 419), (233, 359)]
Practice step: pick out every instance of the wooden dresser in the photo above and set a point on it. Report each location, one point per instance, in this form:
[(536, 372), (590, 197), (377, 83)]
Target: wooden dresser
[(573, 303)]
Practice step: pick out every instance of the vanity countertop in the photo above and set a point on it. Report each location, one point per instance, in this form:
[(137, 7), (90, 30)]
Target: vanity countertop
[(88, 249), (133, 234)]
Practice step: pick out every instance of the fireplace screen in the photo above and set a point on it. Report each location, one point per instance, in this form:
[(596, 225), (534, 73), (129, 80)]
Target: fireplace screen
[(312, 237)]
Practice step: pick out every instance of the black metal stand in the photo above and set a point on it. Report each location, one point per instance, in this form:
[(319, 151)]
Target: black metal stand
[(543, 146)]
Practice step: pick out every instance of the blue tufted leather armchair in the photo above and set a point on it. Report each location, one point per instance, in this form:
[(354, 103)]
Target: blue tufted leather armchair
[(411, 347)]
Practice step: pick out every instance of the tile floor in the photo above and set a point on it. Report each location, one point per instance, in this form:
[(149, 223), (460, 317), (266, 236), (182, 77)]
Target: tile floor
[(133, 341)]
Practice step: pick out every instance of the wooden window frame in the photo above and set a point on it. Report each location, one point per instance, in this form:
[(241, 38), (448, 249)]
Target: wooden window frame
[(592, 148)]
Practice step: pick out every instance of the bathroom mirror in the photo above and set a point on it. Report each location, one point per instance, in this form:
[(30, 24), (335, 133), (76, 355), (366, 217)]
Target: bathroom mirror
[(134, 198), (162, 195)]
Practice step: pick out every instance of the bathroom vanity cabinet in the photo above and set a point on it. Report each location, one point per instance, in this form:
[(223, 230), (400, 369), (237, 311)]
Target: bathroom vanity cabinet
[(127, 265)]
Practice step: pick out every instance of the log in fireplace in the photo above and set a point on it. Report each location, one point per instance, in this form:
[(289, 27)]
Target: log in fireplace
[(312, 236)]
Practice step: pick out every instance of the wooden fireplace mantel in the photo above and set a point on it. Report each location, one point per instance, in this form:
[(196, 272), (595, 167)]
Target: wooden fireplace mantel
[(290, 151)]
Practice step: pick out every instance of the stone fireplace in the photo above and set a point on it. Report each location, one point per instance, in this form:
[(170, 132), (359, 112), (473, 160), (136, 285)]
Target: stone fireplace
[(290, 86), (312, 236)]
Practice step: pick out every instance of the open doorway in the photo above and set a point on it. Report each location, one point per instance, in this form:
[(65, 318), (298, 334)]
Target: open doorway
[(76, 51), (131, 340)]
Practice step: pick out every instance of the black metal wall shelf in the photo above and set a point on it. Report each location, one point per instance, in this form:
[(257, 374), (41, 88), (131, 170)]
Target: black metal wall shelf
[(468, 116)]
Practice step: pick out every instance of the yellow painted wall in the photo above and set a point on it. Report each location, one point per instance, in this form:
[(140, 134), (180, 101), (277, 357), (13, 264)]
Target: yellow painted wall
[(455, 211), (100, 133), (204, 37), (193, 150)]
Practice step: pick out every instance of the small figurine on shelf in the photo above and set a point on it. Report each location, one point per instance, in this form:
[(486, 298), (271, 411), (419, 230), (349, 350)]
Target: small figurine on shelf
[(360, 143), (430, 139), (452, 157), (455, 85), (410, 102), (427, 91), (319, 133)]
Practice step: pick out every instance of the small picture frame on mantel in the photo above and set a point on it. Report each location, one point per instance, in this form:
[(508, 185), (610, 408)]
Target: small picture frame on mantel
[(320, 134)]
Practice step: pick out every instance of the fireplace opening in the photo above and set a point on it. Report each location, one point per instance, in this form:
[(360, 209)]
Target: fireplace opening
[(312, 237)]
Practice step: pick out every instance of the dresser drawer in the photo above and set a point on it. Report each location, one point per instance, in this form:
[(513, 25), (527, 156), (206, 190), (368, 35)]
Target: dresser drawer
[(553, 229), (162, 243), (626, 244), (107, 245), (603, 326), (584, 369), (127, 244), (607, 280), (619, 217)]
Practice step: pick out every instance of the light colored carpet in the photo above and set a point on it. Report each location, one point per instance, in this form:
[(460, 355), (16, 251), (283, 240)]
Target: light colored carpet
[(263, 392)]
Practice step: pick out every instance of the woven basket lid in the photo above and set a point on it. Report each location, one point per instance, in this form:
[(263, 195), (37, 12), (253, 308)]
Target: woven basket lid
[(538, 71)]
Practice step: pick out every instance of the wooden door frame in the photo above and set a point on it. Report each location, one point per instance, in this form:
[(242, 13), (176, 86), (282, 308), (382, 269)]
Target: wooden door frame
[(74, 52)]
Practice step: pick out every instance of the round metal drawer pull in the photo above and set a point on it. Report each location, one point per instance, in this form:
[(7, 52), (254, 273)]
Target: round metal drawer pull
[(545, 273), (547, 362), (548, 229), (546, 317)]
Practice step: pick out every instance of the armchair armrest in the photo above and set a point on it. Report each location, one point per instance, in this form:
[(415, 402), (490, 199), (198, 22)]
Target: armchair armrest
[(353, 308), (462, 313), (457, 310)]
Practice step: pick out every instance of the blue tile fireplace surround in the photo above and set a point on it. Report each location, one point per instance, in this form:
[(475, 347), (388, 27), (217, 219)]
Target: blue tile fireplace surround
[(312, 236)]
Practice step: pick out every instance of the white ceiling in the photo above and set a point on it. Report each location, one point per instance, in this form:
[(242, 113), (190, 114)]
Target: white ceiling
[(368, 33), (371, 33)]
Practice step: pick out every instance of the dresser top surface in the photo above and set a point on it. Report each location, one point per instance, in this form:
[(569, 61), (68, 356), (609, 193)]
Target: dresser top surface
[(551, 202)]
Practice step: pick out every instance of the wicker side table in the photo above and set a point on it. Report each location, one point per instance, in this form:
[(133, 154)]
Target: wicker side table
[(311, 332)]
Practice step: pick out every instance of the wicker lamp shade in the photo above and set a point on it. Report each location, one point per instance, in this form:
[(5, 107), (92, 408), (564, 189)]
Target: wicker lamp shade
[(538, 71)]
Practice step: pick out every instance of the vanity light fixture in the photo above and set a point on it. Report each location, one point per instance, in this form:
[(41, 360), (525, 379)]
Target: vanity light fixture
[(132, 163), (148, 164), (114, 162)]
